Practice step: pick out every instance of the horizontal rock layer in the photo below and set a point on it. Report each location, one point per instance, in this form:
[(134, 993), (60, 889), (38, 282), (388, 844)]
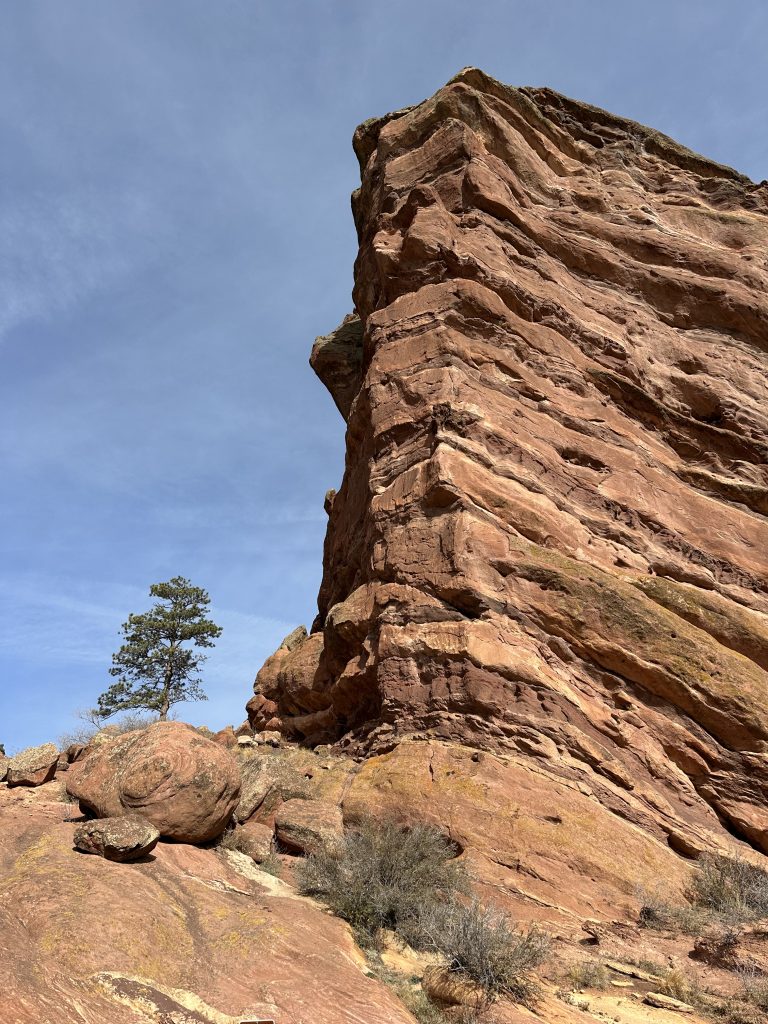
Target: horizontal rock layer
[(551, 536)]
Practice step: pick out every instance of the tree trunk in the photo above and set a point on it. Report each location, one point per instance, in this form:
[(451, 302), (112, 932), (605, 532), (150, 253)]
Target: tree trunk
[(165, 706)]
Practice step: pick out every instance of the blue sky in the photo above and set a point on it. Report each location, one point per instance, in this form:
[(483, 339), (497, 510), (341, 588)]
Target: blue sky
[(175, 230)]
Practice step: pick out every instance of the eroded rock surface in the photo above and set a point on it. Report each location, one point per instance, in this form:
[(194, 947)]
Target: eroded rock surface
[(187, 786), (187, 935), (551, 537), (118, 839), (33, 767)]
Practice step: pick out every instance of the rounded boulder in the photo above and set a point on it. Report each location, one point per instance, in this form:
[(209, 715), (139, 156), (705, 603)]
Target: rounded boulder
[(118, 839), (179, 781)]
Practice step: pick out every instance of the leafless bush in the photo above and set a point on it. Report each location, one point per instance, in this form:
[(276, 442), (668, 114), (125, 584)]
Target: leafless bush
[(731, 888), (383, 875), (754, 987), (483, 945), (92, 724)]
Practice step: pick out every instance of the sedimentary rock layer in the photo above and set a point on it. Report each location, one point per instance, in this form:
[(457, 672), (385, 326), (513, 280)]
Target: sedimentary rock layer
[(551, 537)]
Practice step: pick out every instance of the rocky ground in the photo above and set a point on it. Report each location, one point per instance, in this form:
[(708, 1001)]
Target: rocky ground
[(543, 622)]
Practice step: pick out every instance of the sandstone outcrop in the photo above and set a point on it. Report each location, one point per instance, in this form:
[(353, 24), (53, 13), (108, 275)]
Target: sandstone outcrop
[(189, 935), (551, 540), (33, 767), (185, 785), (118, 839)]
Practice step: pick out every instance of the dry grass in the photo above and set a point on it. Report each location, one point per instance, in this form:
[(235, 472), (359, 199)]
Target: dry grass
[(679, 985), (730, 888), (588, 974)]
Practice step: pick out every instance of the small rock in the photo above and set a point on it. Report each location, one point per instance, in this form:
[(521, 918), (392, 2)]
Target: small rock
[(118, 839), (448, 989), (308, 825), (105, 735), (246, 741), (667, 1003), (34, 766), (75, 752)]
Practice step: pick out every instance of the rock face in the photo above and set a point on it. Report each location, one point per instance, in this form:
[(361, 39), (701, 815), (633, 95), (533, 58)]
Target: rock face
[(551, 537), (185, 785), (33, 767), (190, 935), (119, 839)]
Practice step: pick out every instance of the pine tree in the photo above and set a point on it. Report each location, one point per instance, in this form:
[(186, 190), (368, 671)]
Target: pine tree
[(153, 669)]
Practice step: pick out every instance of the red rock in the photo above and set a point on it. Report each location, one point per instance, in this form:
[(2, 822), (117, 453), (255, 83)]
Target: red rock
[(226, 737), (551, 537), (33, 767), (267, 780), (180, 937), (185, 785), (255, 840), (118, 839), (308, 825)]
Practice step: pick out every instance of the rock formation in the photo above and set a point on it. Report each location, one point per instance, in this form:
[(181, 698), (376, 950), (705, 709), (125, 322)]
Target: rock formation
[(33, 767), (182, 783), (118, 839), (550, 542)]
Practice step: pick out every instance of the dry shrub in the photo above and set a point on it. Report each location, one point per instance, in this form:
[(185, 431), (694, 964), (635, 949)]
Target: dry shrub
[(92, 725), (588, 974), (482, 945), (384, 875), (754, 987), (679, 985), (730, 887), (661, 913)]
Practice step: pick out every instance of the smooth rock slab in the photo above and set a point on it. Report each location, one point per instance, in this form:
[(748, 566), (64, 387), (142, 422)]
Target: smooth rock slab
[(34, 766), (308, 825), (118, 839)]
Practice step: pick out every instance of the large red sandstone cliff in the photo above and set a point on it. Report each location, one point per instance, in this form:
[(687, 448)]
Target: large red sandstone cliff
[(551, 540)]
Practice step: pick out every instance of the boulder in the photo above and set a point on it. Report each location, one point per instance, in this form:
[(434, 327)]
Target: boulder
[(308, 825), (449, 989), (226, 737), (119, 839), (255, 840), (34, 766), (185, 785), (4, 762), (267, 779)]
